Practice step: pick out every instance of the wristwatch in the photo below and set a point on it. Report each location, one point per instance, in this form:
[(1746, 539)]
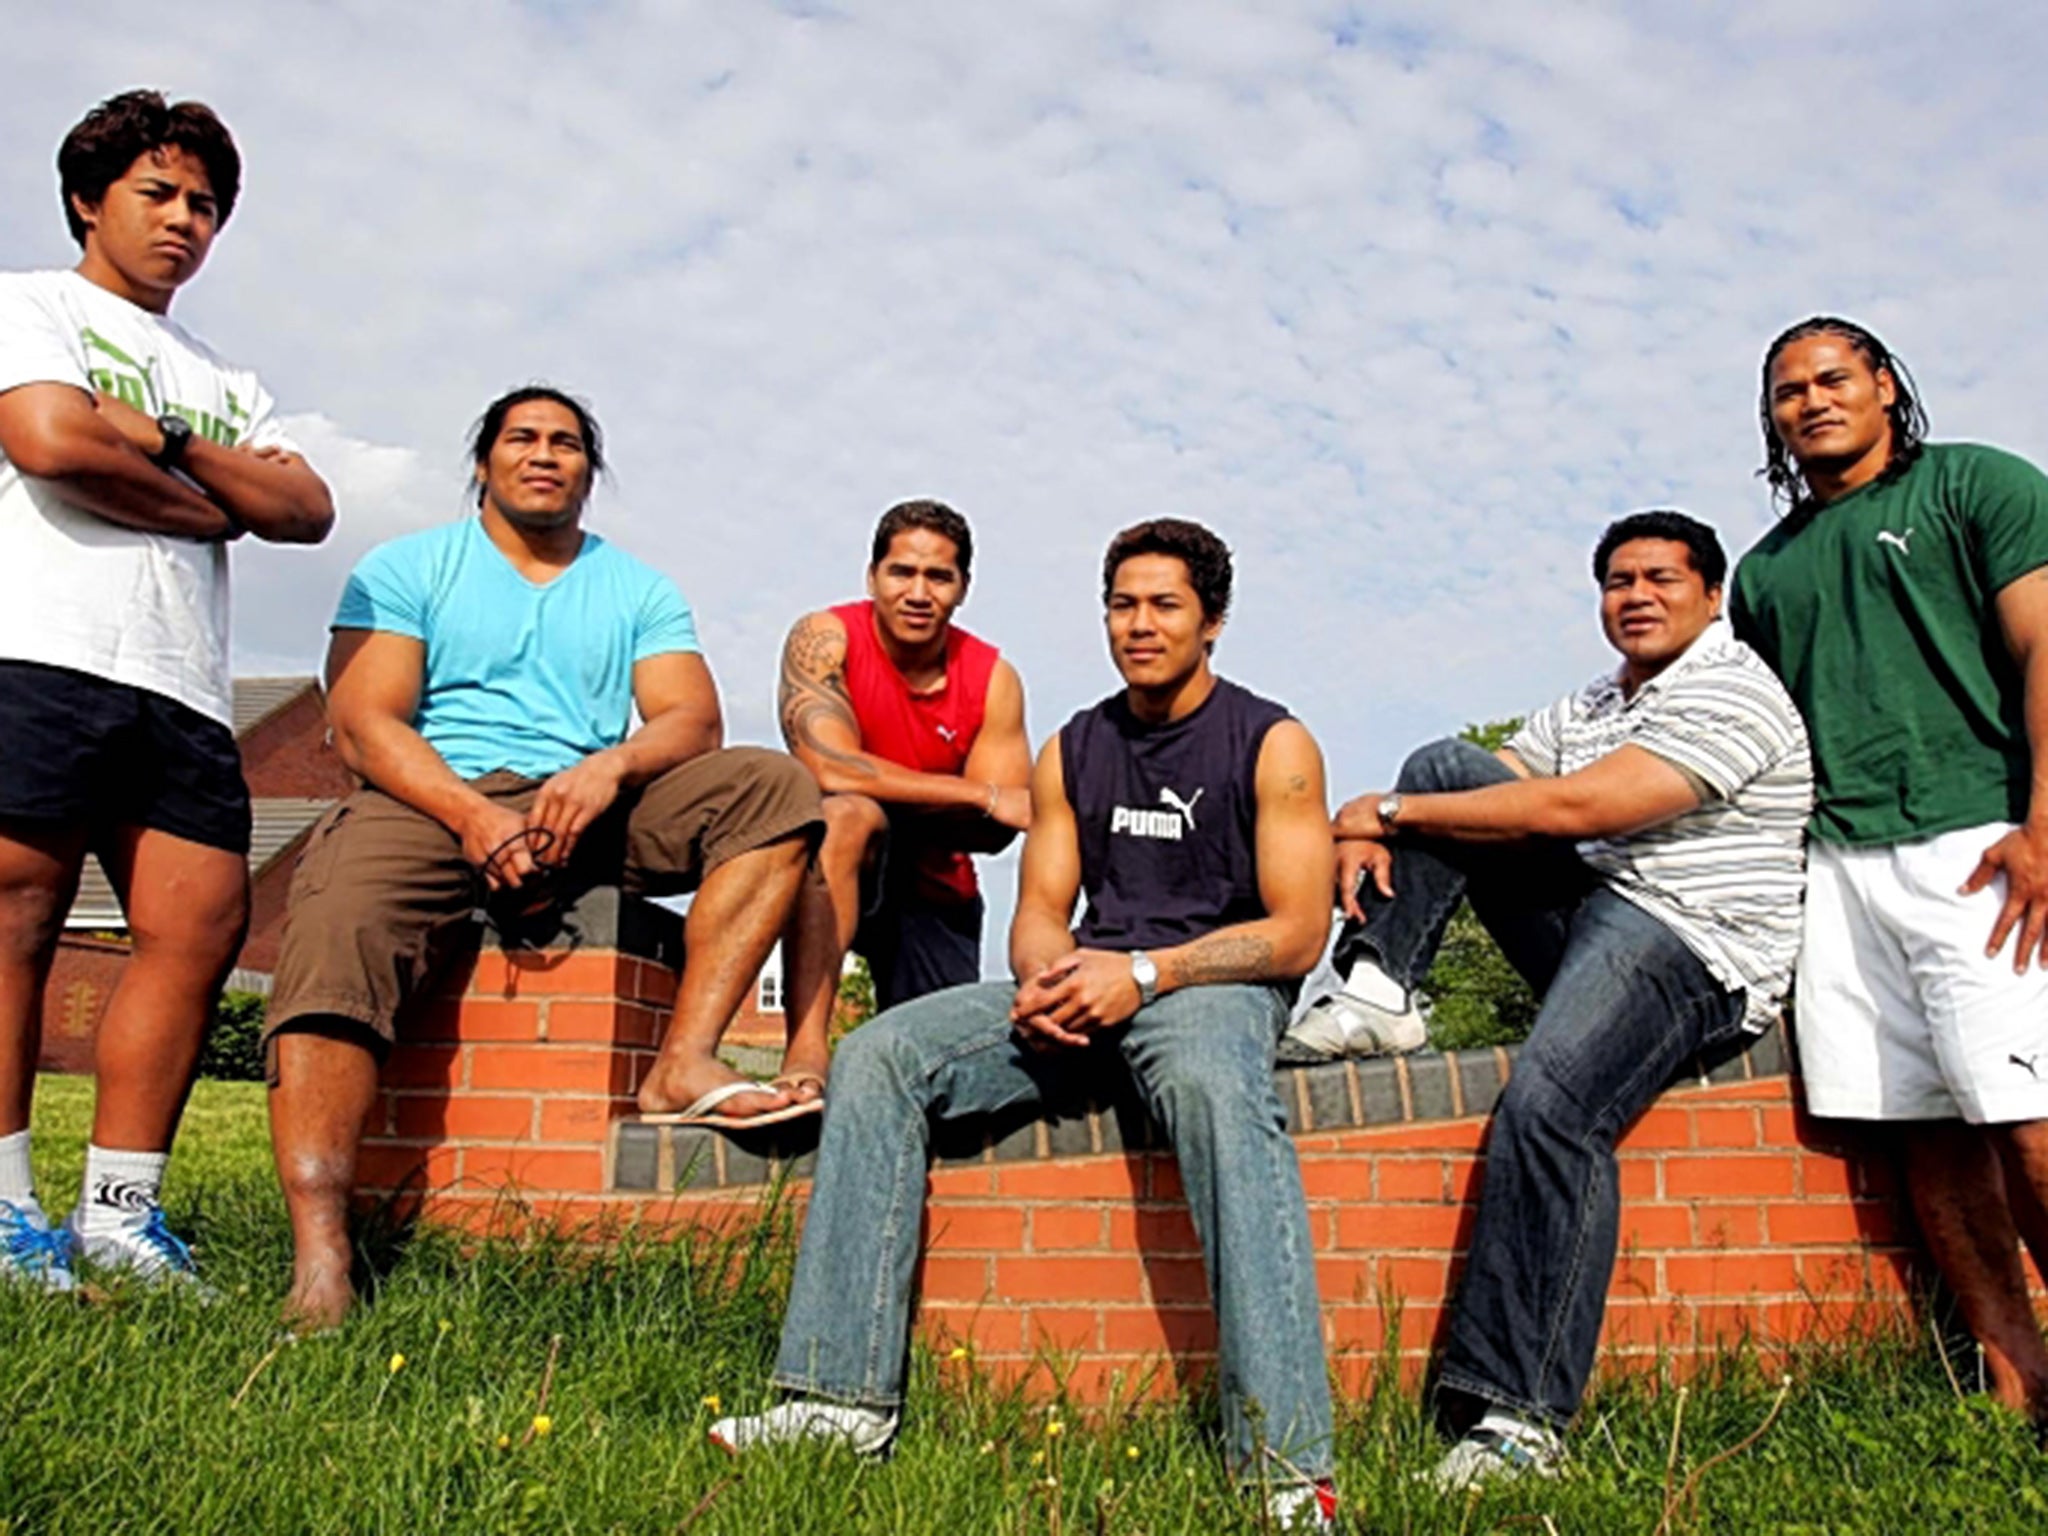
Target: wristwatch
[(1389, 811), (1146, 975), (177, 433)]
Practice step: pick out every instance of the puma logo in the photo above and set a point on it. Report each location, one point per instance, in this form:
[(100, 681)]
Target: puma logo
[(1185, 807), (1886, 536), (2028, 1063), (947, 735)]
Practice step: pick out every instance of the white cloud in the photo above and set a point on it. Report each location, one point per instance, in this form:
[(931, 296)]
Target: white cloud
[(1408, 300)]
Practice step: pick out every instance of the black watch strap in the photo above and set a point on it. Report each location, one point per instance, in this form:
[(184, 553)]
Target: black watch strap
[(177, 433)]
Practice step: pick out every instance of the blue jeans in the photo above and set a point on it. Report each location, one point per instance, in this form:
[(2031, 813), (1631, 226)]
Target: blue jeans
[(1626, 1005), (1202, 1059)]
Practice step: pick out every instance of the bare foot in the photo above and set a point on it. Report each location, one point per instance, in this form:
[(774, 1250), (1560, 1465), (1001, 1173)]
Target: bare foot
[(675, 1084), (320, 1298)]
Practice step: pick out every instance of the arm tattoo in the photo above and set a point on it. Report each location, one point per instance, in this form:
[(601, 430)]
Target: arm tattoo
[(1224, 957), (813, 690)]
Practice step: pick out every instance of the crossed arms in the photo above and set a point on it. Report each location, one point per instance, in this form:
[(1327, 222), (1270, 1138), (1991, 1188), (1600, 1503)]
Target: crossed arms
[(986, 804), (95, 451), (1065, 992), (374, 679)]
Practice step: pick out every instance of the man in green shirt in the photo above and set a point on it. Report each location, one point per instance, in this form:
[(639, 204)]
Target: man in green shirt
[(1903, 599)]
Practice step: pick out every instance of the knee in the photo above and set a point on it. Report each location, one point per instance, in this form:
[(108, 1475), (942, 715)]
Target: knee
[(1448, 764), (31, 917), (851, 823), (209, 923), (1535, 1102)]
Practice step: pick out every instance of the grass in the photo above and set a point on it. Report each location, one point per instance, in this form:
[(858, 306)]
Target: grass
[(547, 1388)]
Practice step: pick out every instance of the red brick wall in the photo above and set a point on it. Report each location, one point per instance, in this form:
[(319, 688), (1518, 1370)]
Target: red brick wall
[(1740, 1219), (286, 755), (82, 978)]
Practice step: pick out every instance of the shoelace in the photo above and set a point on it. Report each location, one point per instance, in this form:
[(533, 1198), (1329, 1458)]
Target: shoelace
[(32, 1247), (171, 1248)]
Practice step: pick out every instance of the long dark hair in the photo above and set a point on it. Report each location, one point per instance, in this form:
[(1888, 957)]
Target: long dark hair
[(1908, 419), (483, 436)]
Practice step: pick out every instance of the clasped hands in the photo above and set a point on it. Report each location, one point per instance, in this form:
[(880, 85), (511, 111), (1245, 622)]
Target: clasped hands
[(508, 845), (1066, 1002)]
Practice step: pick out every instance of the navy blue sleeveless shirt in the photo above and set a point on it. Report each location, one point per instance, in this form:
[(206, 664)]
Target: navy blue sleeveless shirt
[(1167, 817)]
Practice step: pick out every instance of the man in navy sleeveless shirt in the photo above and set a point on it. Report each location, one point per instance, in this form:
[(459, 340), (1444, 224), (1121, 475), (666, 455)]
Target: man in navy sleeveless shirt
[(1190, 814)]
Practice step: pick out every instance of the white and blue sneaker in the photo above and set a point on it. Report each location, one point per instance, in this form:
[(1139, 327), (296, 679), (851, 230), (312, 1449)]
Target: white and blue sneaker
[(30, 1252), (142, 1245), (1500, 1447)]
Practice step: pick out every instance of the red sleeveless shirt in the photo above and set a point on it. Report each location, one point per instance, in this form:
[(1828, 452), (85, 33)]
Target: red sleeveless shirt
[(929, 732)]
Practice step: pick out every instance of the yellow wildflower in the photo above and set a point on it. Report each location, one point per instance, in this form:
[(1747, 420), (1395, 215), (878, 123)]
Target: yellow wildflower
[(710, 1400), (397, 1364), (504, 1442), (1130, 1453), (1055, 1429), (542, 1424), (959, 1352)]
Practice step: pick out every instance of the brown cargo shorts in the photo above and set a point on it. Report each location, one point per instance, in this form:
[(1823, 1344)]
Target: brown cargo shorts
[(383, 895)]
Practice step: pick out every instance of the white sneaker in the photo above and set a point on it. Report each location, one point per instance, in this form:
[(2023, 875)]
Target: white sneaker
[(144, 1246), (30, 1253), (1342, 1025), (864, 1431), (1303, 1507), (1499, 1447)]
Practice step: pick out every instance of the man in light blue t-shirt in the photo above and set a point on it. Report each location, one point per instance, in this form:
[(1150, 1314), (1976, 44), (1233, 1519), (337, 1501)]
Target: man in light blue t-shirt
[(482, 680)]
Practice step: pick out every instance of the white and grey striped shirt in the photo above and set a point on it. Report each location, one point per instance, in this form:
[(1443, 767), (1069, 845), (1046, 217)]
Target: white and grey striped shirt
[(1727, 877)]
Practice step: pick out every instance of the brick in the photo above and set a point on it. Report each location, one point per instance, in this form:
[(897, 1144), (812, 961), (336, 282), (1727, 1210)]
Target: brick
[(423, 1066), (1640, 1178), (553, 973), (1162, 1179), (1055, 1228), (1157, 1229), (462, 1116), (574, 1018), (1640, 1324), (1464, 1175), (1656, 1226), (985, 1330), (547, 1069), (1695, 1176), (1411, 1178), (581, 1119), (474, 1018), (1335, 1178), (1159, 1330), (1434, 1135), (943, 1277), (1725, 1128), (1730, 1226), (1171, 1280), (1634, 1274), (1079, 1278), (1725, 1322), (395, 1165), (1082, 1179), (976, 1229), (1414, 1279), (1779, 1126), (1826, 1176), (1665, 1126), (1812, 1223), (1380, 1228), (1065, 1330), (1730, 1274), (521, 1169)]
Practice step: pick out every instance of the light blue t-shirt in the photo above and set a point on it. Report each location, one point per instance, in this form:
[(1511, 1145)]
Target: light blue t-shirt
[(529, 677)]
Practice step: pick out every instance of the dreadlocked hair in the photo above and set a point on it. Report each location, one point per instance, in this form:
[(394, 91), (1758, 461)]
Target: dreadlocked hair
[(1908, 418)]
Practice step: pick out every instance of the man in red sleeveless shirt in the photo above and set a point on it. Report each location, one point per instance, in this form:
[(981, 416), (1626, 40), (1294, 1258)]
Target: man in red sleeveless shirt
[(915, 730)]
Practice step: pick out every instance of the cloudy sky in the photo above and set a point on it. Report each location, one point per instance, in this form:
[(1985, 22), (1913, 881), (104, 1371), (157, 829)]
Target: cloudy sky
[(1406, 300)]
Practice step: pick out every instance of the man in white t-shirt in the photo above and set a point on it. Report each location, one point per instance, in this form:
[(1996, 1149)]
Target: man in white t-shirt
[(130, 457)]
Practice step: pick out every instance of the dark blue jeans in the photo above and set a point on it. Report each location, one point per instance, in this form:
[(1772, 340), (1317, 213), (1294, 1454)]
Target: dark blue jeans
[(1626, 1005)]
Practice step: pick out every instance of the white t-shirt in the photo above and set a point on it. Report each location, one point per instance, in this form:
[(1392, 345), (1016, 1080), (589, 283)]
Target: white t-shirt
[(146, 609)]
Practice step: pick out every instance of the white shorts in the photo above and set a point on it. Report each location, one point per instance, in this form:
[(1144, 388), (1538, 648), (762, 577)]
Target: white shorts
[(1901, 1015)]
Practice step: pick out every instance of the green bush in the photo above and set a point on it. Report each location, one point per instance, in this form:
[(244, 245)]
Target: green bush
[(231, 1052)]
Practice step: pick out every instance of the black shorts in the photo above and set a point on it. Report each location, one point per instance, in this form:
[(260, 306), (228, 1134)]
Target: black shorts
[(79, 750), (915, 947)]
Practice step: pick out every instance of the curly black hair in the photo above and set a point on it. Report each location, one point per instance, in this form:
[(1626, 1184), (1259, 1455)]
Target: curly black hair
[(1206, 556), (935, 517), (1908, 418), (484, 435), (120, 130), (1704, 545)]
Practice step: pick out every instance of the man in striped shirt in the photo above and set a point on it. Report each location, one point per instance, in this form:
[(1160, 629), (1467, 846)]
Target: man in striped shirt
[(1636, 851)]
